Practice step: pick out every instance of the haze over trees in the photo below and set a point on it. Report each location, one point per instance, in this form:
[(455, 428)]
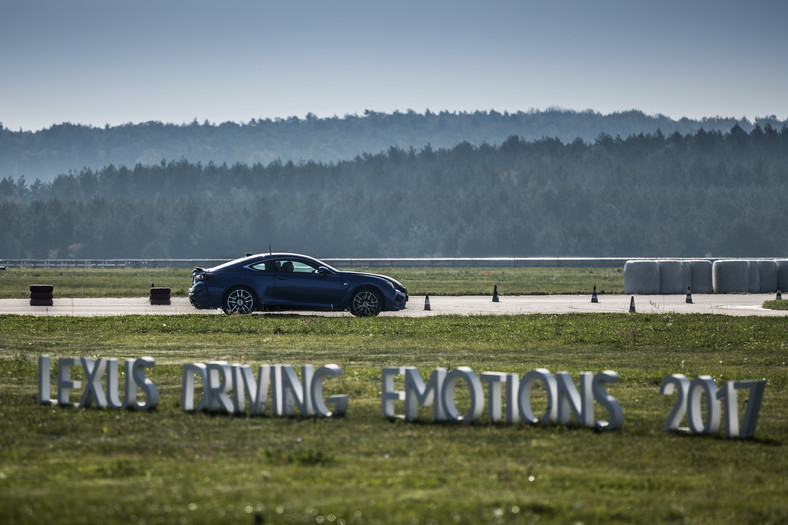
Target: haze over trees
[(702, 193), (65, 147)]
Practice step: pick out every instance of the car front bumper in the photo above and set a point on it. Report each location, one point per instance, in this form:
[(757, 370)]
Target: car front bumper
[(400, 301)]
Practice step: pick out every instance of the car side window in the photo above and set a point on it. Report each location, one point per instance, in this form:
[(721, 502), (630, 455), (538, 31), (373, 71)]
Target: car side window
[(267, 266), (284, 265), (301, 267)]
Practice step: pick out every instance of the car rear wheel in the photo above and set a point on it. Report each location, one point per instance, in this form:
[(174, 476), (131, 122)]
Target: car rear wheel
[(366, 303), (239, 300)]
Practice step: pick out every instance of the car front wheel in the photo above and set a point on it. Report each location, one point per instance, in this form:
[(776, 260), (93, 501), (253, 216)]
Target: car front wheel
[(366, 303), (239, 301)]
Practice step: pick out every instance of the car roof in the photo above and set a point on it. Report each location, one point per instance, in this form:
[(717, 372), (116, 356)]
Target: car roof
[(268, 256), (283, 255)]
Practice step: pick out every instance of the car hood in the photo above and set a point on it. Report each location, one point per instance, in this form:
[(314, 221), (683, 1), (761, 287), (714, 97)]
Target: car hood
[(398, 285)]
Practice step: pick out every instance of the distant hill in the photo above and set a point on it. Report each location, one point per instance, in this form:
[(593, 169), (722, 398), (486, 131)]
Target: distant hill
[(68, 148)]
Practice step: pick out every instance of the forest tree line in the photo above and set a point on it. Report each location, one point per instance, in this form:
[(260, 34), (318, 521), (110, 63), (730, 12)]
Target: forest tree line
[(46, 153), (706, 193)]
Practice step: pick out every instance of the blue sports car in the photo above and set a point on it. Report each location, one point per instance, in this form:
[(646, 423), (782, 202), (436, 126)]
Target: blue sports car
[(289, 281)]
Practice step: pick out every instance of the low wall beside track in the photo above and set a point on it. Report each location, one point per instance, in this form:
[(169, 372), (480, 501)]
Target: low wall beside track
[(641, 276), (373, 262)]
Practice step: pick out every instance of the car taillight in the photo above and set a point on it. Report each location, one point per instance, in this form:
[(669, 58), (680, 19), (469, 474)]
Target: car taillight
[(204, 276)]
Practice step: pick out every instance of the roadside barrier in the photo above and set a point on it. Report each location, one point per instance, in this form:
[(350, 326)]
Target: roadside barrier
[(641, 277), (700, 276), (782, 273), (675, 276), (753, 277), (767, 276), (41, 294), (731, 276)]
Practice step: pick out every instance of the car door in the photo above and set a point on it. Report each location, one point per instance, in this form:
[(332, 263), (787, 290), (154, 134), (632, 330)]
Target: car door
[(264, 280), (303, 285)]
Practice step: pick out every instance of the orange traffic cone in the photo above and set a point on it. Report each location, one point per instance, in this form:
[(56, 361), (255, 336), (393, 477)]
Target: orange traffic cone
[(594, 298), (779, 295), (427, 302), (689, 295), (632, 305), (495, 295)]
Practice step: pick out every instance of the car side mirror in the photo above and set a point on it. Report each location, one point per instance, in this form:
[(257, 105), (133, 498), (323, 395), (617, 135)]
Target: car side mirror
[(323, 270)]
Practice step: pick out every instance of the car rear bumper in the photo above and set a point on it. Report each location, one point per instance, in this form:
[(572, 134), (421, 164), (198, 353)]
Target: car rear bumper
[(198, 296)]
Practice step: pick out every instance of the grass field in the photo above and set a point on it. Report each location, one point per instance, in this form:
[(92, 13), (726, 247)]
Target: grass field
[(776, 305), (68, 465), (81, 282)]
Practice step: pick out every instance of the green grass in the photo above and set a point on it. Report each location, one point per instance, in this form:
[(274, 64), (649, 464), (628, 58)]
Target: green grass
[(87, 466), (128, 282), (510, 281), (93, 282), (776, 305)]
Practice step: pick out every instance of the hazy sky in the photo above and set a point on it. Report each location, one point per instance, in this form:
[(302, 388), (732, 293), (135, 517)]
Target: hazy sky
[(112, 62)]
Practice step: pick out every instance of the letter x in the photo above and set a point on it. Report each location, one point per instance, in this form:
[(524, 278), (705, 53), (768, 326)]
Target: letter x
[(93, 389)]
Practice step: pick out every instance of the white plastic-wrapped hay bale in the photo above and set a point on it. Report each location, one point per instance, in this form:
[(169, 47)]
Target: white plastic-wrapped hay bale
[(782, 273), (730, 276), (753, 277), (767, 276), (641, 277), (700, 276), (674, 277)]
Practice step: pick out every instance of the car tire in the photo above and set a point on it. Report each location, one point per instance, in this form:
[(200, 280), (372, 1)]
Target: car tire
[(366, 303), (239, 300)]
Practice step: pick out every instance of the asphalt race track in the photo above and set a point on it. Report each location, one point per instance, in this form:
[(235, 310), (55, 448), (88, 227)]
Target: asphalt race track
[(727, 304)]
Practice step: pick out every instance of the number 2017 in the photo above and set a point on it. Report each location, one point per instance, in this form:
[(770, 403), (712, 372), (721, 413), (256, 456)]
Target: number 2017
[(688, 401)]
